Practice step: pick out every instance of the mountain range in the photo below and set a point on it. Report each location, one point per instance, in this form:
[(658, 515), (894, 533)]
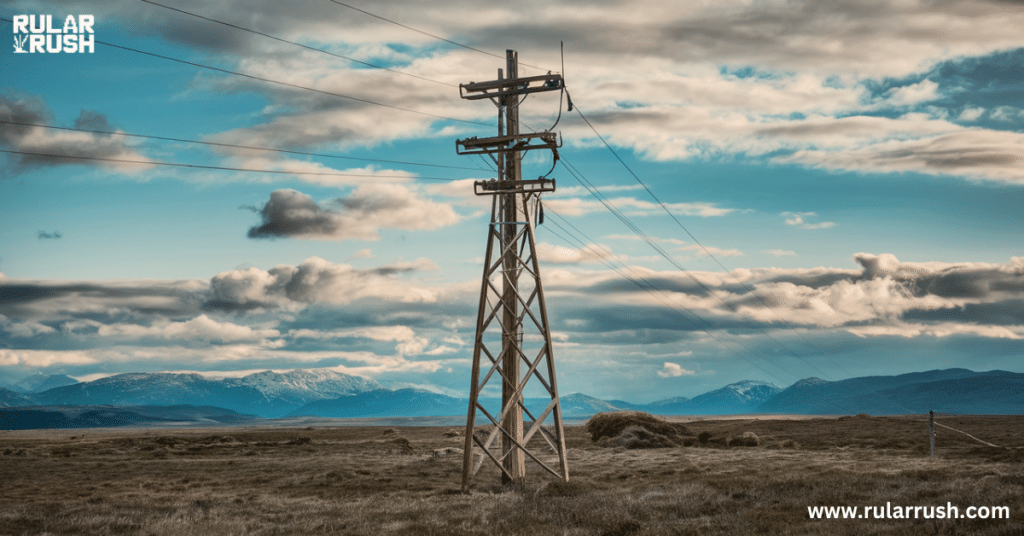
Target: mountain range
[(267, 394), (326, 393), (36, 417)]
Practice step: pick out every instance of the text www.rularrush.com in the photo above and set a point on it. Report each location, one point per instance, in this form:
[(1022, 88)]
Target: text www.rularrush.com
[(890, 511)]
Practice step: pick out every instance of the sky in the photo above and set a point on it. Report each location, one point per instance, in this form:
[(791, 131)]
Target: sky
[(834, 189)]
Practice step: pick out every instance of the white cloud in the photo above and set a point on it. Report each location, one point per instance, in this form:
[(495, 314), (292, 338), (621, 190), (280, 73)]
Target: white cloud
[(365, 253), (414, 346), (26, 329), (925, 90), (1007, 113), (638, 238), (44, 358), (703, 251), (635, 207), (948, 329), (672, 370), (779, 252), (971, 114), (201, 328), (376, 333), (796, 219), (566, 255)]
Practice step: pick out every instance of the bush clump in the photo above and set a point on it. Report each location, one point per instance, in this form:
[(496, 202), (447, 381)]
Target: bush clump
[(638, 437), (748, 439), (634, 430)]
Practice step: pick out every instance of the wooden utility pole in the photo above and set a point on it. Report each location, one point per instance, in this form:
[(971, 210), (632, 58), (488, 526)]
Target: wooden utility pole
[(512, 312), (931, 431)]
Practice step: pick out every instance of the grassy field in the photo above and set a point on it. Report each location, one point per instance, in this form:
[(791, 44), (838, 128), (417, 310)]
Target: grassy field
[(375, 480)]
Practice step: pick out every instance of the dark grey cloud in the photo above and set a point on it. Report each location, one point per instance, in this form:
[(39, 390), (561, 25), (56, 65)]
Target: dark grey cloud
[(293, 213), (21, 109), (290, 213), (315, 281), (56, 235), (39, 141), (92, 120), (884, 297), (30, 299)]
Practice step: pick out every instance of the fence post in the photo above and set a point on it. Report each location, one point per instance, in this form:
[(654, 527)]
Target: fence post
[(931, 430)]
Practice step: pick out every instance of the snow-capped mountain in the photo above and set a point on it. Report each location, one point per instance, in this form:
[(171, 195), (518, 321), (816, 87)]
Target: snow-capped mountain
[(332, 394), (739, 397), (303, 386), (267, 394)]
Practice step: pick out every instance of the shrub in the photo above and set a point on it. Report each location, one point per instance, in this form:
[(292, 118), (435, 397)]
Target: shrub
[(748, 439), (638, 437), (613, 424)]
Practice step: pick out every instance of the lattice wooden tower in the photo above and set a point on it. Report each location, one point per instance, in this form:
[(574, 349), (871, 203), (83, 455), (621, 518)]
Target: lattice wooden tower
[(512, 330)]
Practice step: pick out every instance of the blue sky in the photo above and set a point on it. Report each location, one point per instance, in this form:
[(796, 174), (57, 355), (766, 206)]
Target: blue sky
[(858, 170)]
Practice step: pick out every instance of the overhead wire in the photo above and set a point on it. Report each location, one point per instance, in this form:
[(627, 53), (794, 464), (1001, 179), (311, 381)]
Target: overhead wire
[(449, 118), (733, 275), (366, 101), (221, 168), (646, 238), (278, 82), (683, 227), (650, 288), (233, 146), (329, 53), (430, 34)]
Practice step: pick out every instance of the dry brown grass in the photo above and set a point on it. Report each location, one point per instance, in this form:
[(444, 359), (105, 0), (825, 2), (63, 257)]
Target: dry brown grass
[(365, 481)]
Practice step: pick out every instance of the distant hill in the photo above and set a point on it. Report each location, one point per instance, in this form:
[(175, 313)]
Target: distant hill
[(739, 397), (10, 398), (38, 417), (943, 391)]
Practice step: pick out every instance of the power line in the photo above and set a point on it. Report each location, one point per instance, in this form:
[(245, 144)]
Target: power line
[(431, 35), (687, 231), (221, 168), (640, 282), (289, 84), (750, 290), (279, 82), (234, 146), (683, 227), (625, 220), (257, 32)]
